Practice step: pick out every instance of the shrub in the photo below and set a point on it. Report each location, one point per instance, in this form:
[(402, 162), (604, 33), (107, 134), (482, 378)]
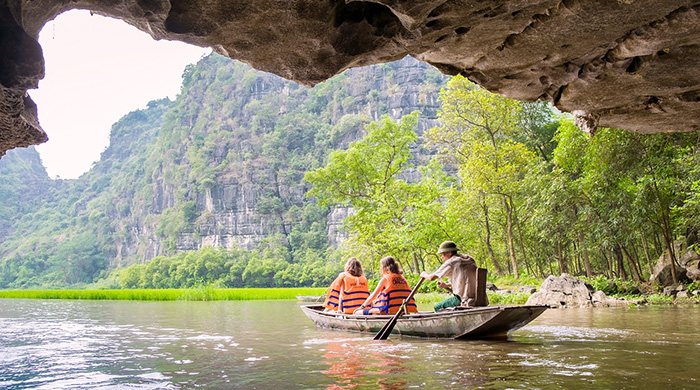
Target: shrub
[(507, 299)]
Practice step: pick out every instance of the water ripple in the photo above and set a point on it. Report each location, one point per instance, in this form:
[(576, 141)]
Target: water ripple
[(579, 333), (136, 345)]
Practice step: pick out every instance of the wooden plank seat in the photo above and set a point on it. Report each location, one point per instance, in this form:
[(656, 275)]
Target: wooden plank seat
[(476, 290)]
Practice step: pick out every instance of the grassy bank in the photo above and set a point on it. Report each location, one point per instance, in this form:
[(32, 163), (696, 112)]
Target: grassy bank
[(426, 299), (494, 298), (659, 299), (187, 294)]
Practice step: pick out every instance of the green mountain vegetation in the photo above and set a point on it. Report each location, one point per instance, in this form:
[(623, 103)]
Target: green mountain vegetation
[(532, 193), (23, 188), (243, 180), (221, 166)]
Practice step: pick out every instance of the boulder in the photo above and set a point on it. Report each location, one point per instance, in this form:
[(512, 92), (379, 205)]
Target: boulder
[(688, 257), (662, 275), (527, 289), (686, 270), (670, 291), (692, 271), (562, 291), (599, 299), (567, 291), (690, 260)]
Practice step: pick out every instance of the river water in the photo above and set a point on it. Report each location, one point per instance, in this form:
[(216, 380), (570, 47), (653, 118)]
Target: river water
[(59, 344)]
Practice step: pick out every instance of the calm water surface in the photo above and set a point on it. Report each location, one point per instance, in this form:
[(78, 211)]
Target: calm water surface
[(271, 345)]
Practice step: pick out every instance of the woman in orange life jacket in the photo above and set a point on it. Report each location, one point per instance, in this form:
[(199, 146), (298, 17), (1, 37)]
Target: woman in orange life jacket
[(391, 291), (348, 290)]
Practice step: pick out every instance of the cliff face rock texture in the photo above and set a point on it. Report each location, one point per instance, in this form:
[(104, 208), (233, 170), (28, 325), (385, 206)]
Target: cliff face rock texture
[(255, 182), (629, 64), (231, 215)]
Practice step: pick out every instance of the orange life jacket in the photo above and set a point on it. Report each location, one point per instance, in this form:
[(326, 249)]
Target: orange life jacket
[(347, 293), (354, 294), (333, 296), (391, 298)]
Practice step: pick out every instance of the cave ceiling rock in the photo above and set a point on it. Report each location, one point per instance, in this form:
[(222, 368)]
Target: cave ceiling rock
[(630, 64)]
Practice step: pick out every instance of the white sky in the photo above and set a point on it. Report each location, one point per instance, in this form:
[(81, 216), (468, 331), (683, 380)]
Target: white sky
[(97, 70)]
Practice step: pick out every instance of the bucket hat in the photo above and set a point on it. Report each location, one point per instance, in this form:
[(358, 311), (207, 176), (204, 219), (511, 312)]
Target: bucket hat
[(447, 246)]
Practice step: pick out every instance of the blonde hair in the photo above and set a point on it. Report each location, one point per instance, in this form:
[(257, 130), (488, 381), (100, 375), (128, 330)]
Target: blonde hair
[(353, 267), (389, 264)]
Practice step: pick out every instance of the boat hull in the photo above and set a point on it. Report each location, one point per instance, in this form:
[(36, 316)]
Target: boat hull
[(480, 322)]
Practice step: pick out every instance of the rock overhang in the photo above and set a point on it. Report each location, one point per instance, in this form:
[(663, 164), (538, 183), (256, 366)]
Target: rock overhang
[(630, 64)]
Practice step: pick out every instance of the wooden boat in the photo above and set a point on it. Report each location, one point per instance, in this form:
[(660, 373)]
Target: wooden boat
[(311, 298), (478, 322)]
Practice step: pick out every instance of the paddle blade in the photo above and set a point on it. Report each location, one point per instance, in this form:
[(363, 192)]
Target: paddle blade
[(384, 333)]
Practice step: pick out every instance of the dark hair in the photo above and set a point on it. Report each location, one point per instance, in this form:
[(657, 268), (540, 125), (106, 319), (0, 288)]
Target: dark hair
[(353, 267), (389, 263)]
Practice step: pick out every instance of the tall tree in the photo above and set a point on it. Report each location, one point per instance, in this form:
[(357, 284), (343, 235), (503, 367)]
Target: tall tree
[(479, 132), (391, 215)]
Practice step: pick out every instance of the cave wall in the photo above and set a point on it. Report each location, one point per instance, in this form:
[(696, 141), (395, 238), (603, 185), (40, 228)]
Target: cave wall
[(629, 64)]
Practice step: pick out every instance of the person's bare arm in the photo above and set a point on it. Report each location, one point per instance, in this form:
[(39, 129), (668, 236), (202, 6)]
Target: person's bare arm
[(444, 285), (373, 296), (438, 275)]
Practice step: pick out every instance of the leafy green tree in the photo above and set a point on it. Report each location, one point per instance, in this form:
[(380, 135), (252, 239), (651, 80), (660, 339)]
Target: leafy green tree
[(130, 277), (82, 257), (390, 214), (479, 132)]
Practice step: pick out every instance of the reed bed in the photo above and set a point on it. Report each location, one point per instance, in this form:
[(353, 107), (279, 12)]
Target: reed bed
[(186, 294)]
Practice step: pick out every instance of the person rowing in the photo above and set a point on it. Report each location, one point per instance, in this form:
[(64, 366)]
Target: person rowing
[(456, 267)]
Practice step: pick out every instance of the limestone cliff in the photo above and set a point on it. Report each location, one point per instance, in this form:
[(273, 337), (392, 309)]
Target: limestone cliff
[(23, 187), (222, 165), (245, 184)]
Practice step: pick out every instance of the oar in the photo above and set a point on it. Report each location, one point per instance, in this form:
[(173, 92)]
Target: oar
[(389, 326)]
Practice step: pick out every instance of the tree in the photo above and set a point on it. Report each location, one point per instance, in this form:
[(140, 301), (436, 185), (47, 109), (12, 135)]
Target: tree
[(391, 214), (479, 132)]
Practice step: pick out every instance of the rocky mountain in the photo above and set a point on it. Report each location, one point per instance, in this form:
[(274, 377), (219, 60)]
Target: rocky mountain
[(23, 186), (222, 165)]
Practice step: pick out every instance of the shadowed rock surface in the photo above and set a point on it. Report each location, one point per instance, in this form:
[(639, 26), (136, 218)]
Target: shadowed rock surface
[(687, 269), (625, 64), (567, 291)]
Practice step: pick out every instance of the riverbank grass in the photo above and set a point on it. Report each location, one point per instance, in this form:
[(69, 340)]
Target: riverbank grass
[(186, 294), (495, 298)]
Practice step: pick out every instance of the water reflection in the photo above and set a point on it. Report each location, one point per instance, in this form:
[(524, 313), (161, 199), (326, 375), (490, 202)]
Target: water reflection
[(353, 362), (263, 345), (346, 363)]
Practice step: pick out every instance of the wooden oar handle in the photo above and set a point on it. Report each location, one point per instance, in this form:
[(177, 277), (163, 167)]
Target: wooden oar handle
[(389, 326), (408, 298), (413, 291)]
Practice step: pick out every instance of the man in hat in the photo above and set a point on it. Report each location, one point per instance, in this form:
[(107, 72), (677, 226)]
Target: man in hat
[(459, 269)]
